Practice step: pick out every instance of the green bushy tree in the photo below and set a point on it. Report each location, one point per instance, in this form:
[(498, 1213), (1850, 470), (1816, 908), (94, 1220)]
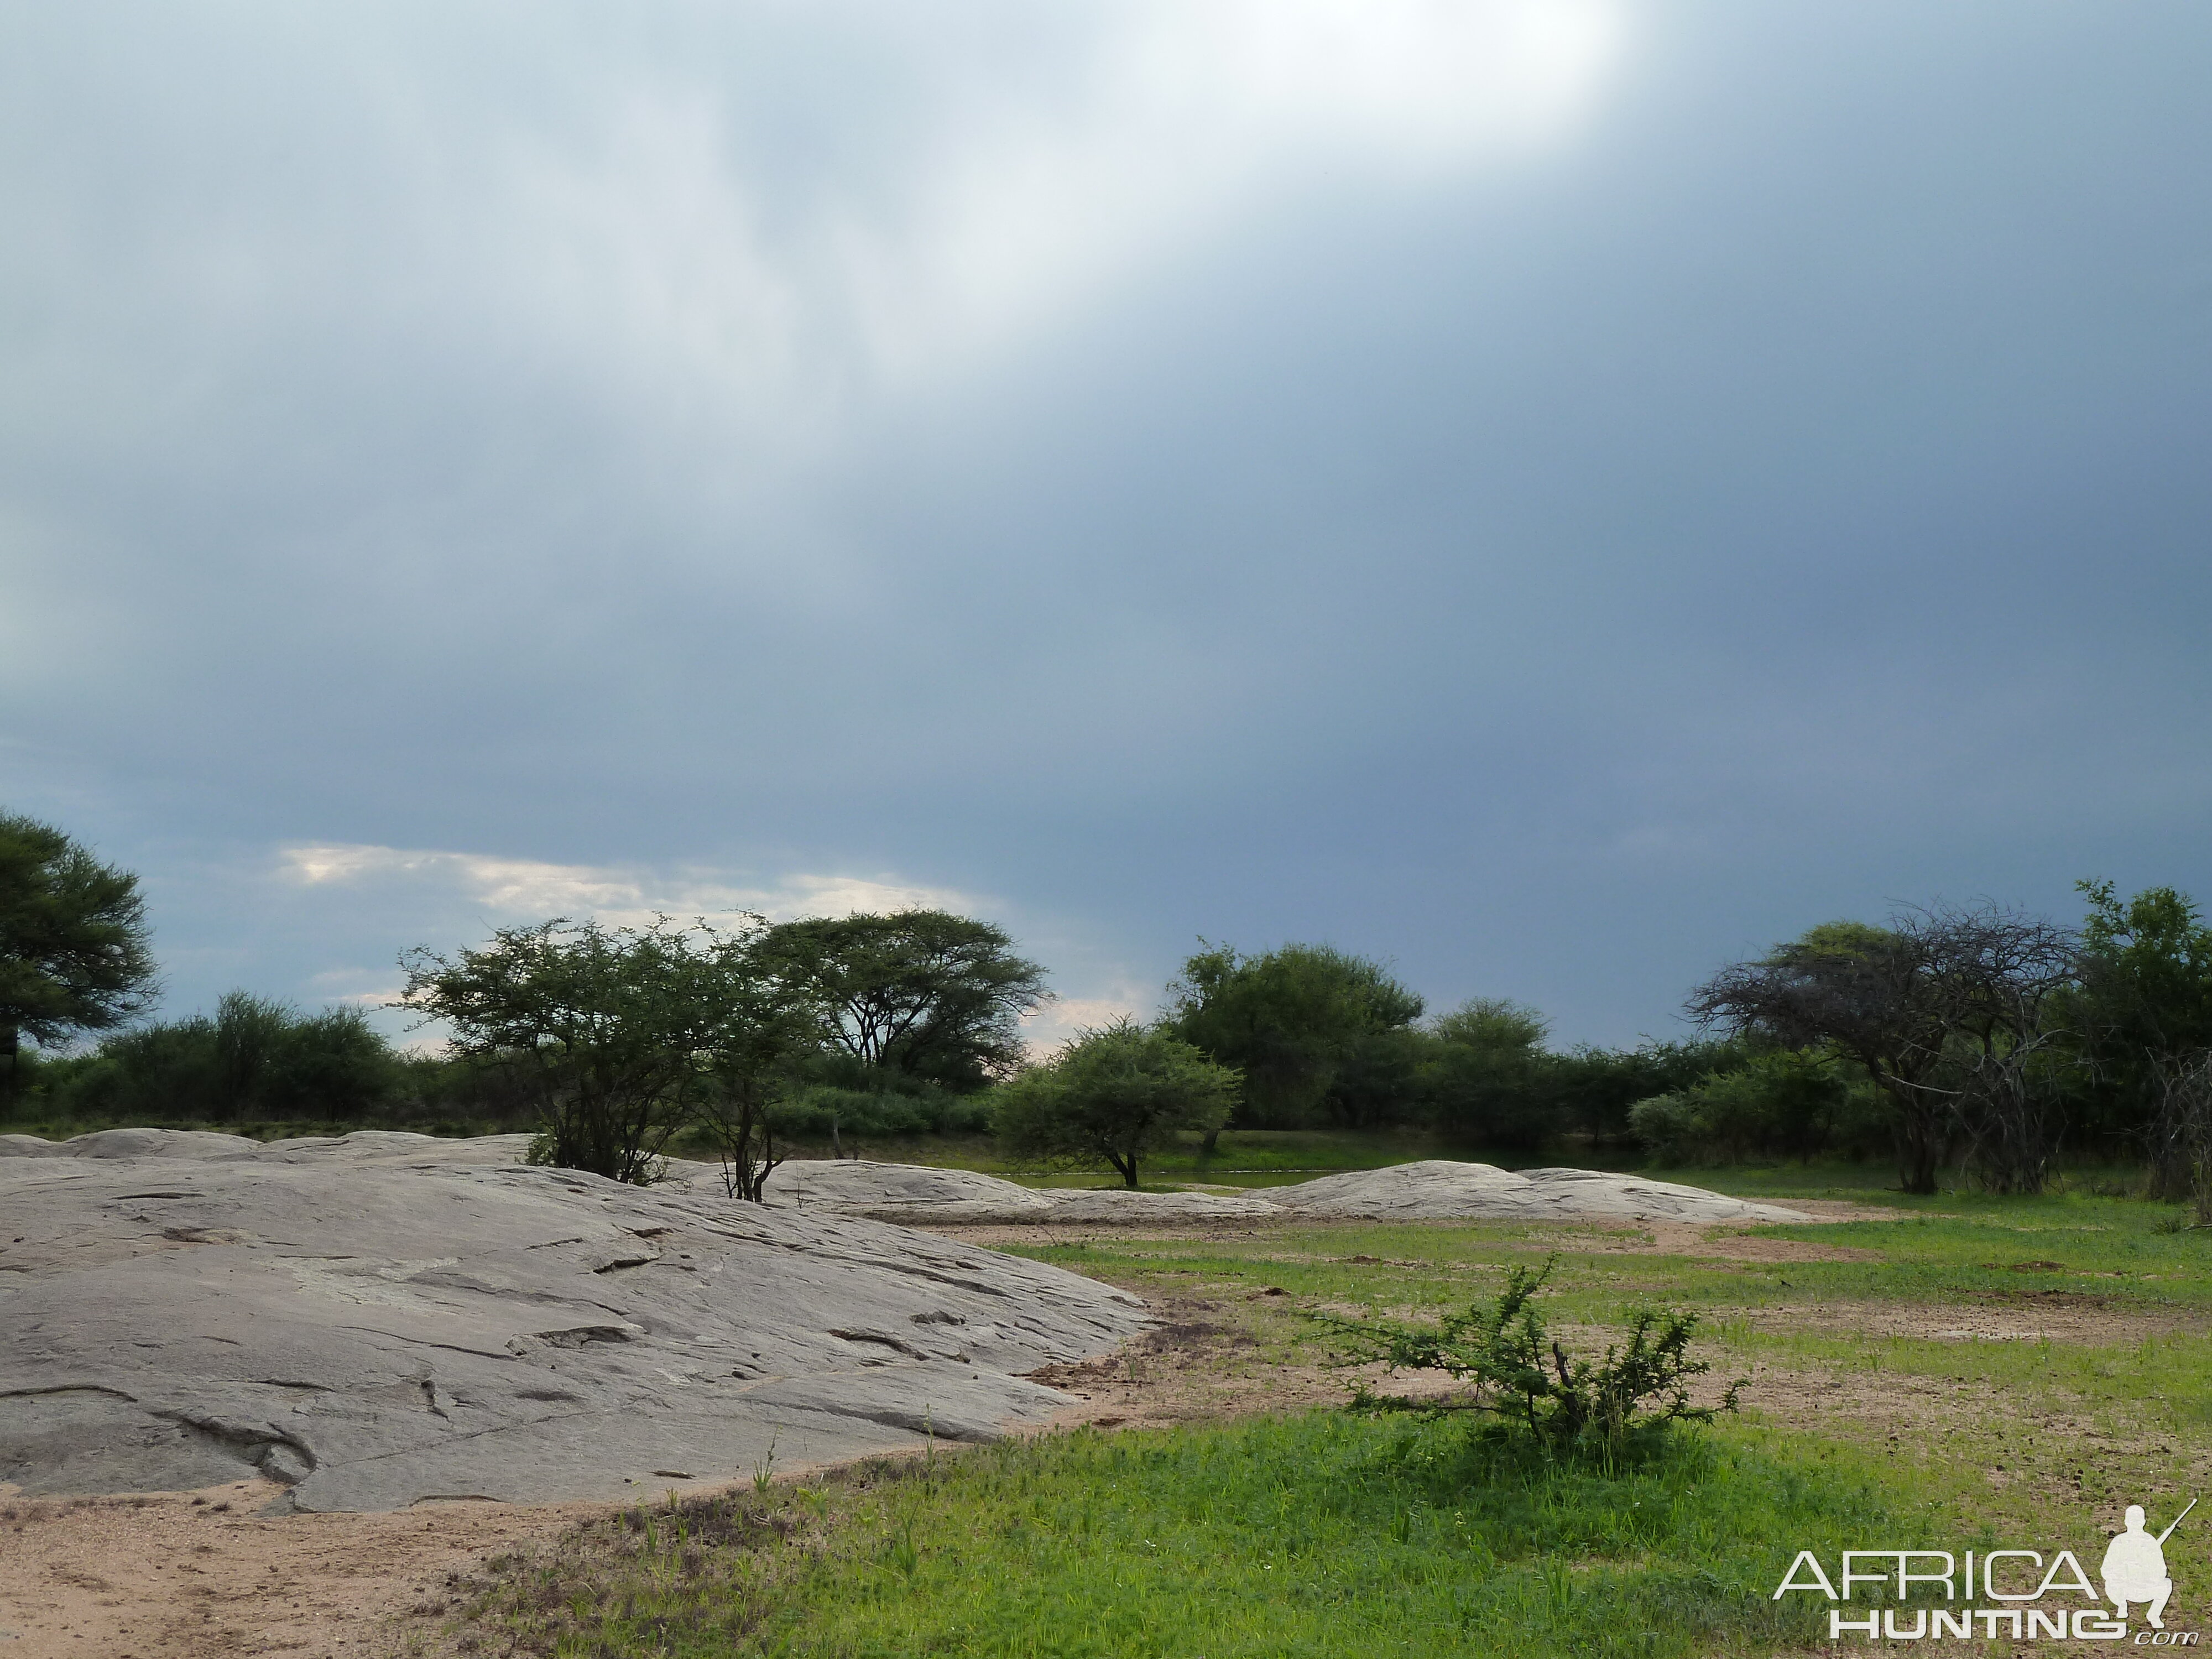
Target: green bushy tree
[(843, 1114), (1296, 1022), (75, 950), (620, 1036), (2143, 1012), (256, 1059), (1786, 1104), (1486, 1077), (1595, 1089), (752, 1034), (1115, 1095), (604, 1028)]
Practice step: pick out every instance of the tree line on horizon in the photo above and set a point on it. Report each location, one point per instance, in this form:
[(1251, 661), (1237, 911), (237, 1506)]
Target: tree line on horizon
[(1980, 1040)]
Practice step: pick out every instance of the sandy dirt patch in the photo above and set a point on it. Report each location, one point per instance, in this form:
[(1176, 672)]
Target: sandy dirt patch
[(199, 1576)]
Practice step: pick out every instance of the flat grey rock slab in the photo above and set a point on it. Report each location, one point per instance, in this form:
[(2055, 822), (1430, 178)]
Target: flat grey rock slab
[(1114, 1204), (1432, 1190), (891, 1192), (377, 1323), (861, 1187), (1440, 1189), (1435, 1190), (362, 1146)]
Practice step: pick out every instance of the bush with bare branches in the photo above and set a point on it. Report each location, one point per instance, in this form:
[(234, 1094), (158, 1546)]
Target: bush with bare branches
[(1948, 1009)]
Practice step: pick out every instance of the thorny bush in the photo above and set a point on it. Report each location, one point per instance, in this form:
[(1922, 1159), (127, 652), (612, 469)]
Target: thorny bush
[(1569, 1404)]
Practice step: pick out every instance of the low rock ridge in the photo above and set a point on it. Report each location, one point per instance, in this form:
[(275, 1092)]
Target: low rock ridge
[(1437, 1189), (381, 1320)]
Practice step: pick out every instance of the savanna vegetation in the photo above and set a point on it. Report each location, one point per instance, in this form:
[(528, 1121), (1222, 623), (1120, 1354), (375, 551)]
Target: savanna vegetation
[(1977, 1045), (1613, 1438), (1961, 1371)]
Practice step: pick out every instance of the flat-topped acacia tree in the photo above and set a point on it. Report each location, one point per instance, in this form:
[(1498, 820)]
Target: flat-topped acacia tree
[(922, 994)]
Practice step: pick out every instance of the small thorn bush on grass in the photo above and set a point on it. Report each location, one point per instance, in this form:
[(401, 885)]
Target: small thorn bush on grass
[(1523, 1378)]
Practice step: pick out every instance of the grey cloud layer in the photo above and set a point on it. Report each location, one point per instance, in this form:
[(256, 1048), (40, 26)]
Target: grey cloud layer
[(1554, 519)]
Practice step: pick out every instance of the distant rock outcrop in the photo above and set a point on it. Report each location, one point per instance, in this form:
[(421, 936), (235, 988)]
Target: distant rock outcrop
[(1436, 1190), (912, 1192), (1439, 1190)]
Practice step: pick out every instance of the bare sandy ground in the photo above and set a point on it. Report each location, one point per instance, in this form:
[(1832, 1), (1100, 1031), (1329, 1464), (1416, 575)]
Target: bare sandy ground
[(201, 1576), (198, 1575)]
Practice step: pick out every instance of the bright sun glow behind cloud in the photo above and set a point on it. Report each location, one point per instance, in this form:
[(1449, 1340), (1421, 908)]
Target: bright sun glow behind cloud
[(1016, 190), (1194, 107)]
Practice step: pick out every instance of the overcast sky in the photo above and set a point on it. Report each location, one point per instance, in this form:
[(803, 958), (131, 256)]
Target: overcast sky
[(1554, 493)]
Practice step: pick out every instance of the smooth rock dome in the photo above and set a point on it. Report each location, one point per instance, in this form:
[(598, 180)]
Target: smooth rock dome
[(375, 1325)]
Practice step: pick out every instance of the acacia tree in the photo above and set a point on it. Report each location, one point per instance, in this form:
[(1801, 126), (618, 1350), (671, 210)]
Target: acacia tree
[(1945, 1009), (620, 1036), (1860, 989), (603, 1030), (2005, 975), (74, 950), (923, 993), (1116, 1094)]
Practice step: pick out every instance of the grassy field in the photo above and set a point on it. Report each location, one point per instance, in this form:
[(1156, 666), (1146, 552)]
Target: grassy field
[(1958, 1372), (1317, 1534)]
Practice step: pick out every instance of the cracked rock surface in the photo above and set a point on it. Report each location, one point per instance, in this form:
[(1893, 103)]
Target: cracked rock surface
[(382, 1319)]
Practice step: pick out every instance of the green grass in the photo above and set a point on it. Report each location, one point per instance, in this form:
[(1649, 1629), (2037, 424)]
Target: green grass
[(1870, 1183), (1996, 1426), (1317, 1535), (1325, 1533), (1973, 1249), (1320, 1532)]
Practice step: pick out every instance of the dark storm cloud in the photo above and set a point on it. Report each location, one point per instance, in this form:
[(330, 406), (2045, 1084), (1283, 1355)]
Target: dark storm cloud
[(1555, 496)]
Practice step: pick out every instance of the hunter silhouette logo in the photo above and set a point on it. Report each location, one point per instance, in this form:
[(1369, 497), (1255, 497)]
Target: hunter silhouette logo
[(2135, 1567), (2034, 1593)]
